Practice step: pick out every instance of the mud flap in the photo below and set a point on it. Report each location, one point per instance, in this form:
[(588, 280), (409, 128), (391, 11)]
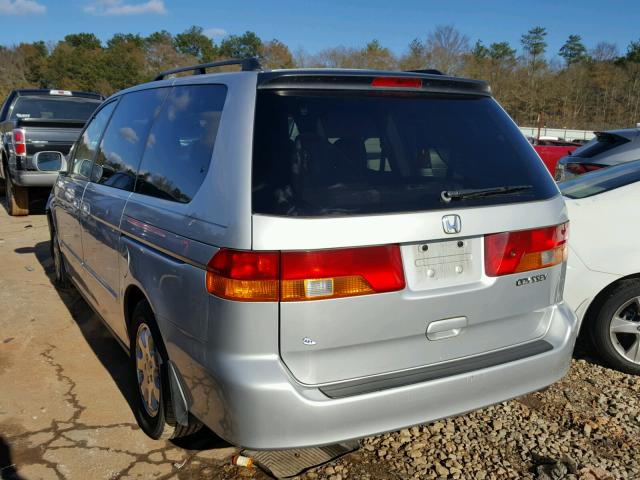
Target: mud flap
[(179, 396)]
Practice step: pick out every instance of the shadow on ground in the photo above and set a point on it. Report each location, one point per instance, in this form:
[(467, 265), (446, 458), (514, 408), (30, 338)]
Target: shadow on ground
[(108, 350), (7, 468)]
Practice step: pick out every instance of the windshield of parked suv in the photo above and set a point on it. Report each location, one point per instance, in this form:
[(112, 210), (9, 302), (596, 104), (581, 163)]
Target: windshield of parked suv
[(343, 153), (54, 108), (601, 181)]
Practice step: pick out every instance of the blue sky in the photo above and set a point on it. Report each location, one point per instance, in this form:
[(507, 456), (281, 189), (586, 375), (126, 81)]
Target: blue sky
[(314, 25)]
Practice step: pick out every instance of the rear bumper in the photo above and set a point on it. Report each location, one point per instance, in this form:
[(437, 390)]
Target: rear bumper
[(34, 179), (254, 402)]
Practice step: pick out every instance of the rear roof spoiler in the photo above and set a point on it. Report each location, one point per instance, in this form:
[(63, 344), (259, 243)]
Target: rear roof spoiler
[(615, 136), (246, 64), (317, 79)]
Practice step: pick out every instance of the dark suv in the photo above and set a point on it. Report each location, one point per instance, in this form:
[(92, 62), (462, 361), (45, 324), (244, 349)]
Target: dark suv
[(608, 148)]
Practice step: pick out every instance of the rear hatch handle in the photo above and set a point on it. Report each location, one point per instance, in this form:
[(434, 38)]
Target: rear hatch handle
[(447, 328)]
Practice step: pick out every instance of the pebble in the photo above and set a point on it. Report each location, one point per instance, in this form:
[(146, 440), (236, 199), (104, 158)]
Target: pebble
[(585, 427)]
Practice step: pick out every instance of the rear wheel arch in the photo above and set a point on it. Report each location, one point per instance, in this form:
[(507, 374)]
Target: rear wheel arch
[(179, 421), (132, 296)]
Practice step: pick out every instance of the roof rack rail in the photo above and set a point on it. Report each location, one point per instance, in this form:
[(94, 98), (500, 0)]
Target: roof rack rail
[(430, 71), (247, 65)]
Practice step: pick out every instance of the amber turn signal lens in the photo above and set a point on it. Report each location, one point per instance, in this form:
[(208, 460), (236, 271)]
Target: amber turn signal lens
[(299, 290)]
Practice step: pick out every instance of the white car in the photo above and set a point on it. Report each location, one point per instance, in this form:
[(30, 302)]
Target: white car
[(603, 272)]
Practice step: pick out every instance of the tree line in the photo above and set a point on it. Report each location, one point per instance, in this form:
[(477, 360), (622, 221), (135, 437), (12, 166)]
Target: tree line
[(580, 88)]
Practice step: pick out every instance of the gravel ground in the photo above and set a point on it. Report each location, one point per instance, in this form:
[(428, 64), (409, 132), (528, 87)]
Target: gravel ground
[(585, 427)]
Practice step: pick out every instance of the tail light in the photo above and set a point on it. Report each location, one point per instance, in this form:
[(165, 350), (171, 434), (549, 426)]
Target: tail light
[(397, 82), (341, 273), (514, 252), (580, 168), (19, 141), (249, 276), (305, 275)]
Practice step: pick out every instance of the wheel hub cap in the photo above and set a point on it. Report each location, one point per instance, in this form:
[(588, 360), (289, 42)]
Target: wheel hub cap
[(147, 366), (624, 330)]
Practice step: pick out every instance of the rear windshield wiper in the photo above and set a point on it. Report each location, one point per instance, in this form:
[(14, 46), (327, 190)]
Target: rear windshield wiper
[(448, 195)]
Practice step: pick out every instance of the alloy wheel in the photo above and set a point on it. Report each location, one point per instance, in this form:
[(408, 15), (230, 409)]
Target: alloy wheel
[(148, 370), (624, 330)]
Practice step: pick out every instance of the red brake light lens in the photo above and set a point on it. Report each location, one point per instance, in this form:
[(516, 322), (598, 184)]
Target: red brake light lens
[(19, 142), (580, 168), (397, 82), (341, 273), (305, 275), (525, 250)]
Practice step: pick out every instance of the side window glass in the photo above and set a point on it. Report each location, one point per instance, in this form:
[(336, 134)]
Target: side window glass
[(87, 144), (179, 148), (123, 142)]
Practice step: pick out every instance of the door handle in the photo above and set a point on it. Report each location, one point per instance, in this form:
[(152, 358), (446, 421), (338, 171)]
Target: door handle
[(86, 208)]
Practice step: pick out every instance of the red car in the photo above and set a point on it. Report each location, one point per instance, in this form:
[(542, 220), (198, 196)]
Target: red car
[(551, 151)]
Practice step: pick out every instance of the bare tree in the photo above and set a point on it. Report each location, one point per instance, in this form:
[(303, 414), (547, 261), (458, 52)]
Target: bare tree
[(604, 52), (445, 48)]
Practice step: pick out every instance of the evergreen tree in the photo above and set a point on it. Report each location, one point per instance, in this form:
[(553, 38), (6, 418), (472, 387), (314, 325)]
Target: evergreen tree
[(534, 44), (195, 43), (241, 46), (573, 50), (479, 51)]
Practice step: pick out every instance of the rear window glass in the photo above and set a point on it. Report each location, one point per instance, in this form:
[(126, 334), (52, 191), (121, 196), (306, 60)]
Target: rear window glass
[(601, 181), (339, 154), (54, 108), (180, 144), (602, 143)]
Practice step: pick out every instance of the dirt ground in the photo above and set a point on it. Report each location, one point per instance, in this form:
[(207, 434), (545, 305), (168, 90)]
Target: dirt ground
[(64, 389), (64, 411)]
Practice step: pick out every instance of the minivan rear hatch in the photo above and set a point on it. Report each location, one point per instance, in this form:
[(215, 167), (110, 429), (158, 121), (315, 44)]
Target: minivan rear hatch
[(363, 164)]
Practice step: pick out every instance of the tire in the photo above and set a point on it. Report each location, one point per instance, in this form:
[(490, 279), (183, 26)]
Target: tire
[(16, 198), (615, 331), (61, 277), (152, 405)]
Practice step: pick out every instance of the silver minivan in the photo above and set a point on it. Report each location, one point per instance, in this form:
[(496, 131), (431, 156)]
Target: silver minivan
[(301, 257)]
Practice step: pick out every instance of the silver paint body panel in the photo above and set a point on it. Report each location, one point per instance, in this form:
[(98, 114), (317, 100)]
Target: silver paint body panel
[(249, 373)]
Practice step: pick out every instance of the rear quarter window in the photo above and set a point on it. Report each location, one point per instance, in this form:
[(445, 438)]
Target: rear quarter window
[(318, 153), (180, 144), (123, 142)]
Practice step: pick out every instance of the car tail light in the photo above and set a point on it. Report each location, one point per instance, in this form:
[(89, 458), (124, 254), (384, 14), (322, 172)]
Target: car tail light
[(305, 275), (341, 273), (580, 168), (397, 82), (248, 276), (521, 251), (19, 141)]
